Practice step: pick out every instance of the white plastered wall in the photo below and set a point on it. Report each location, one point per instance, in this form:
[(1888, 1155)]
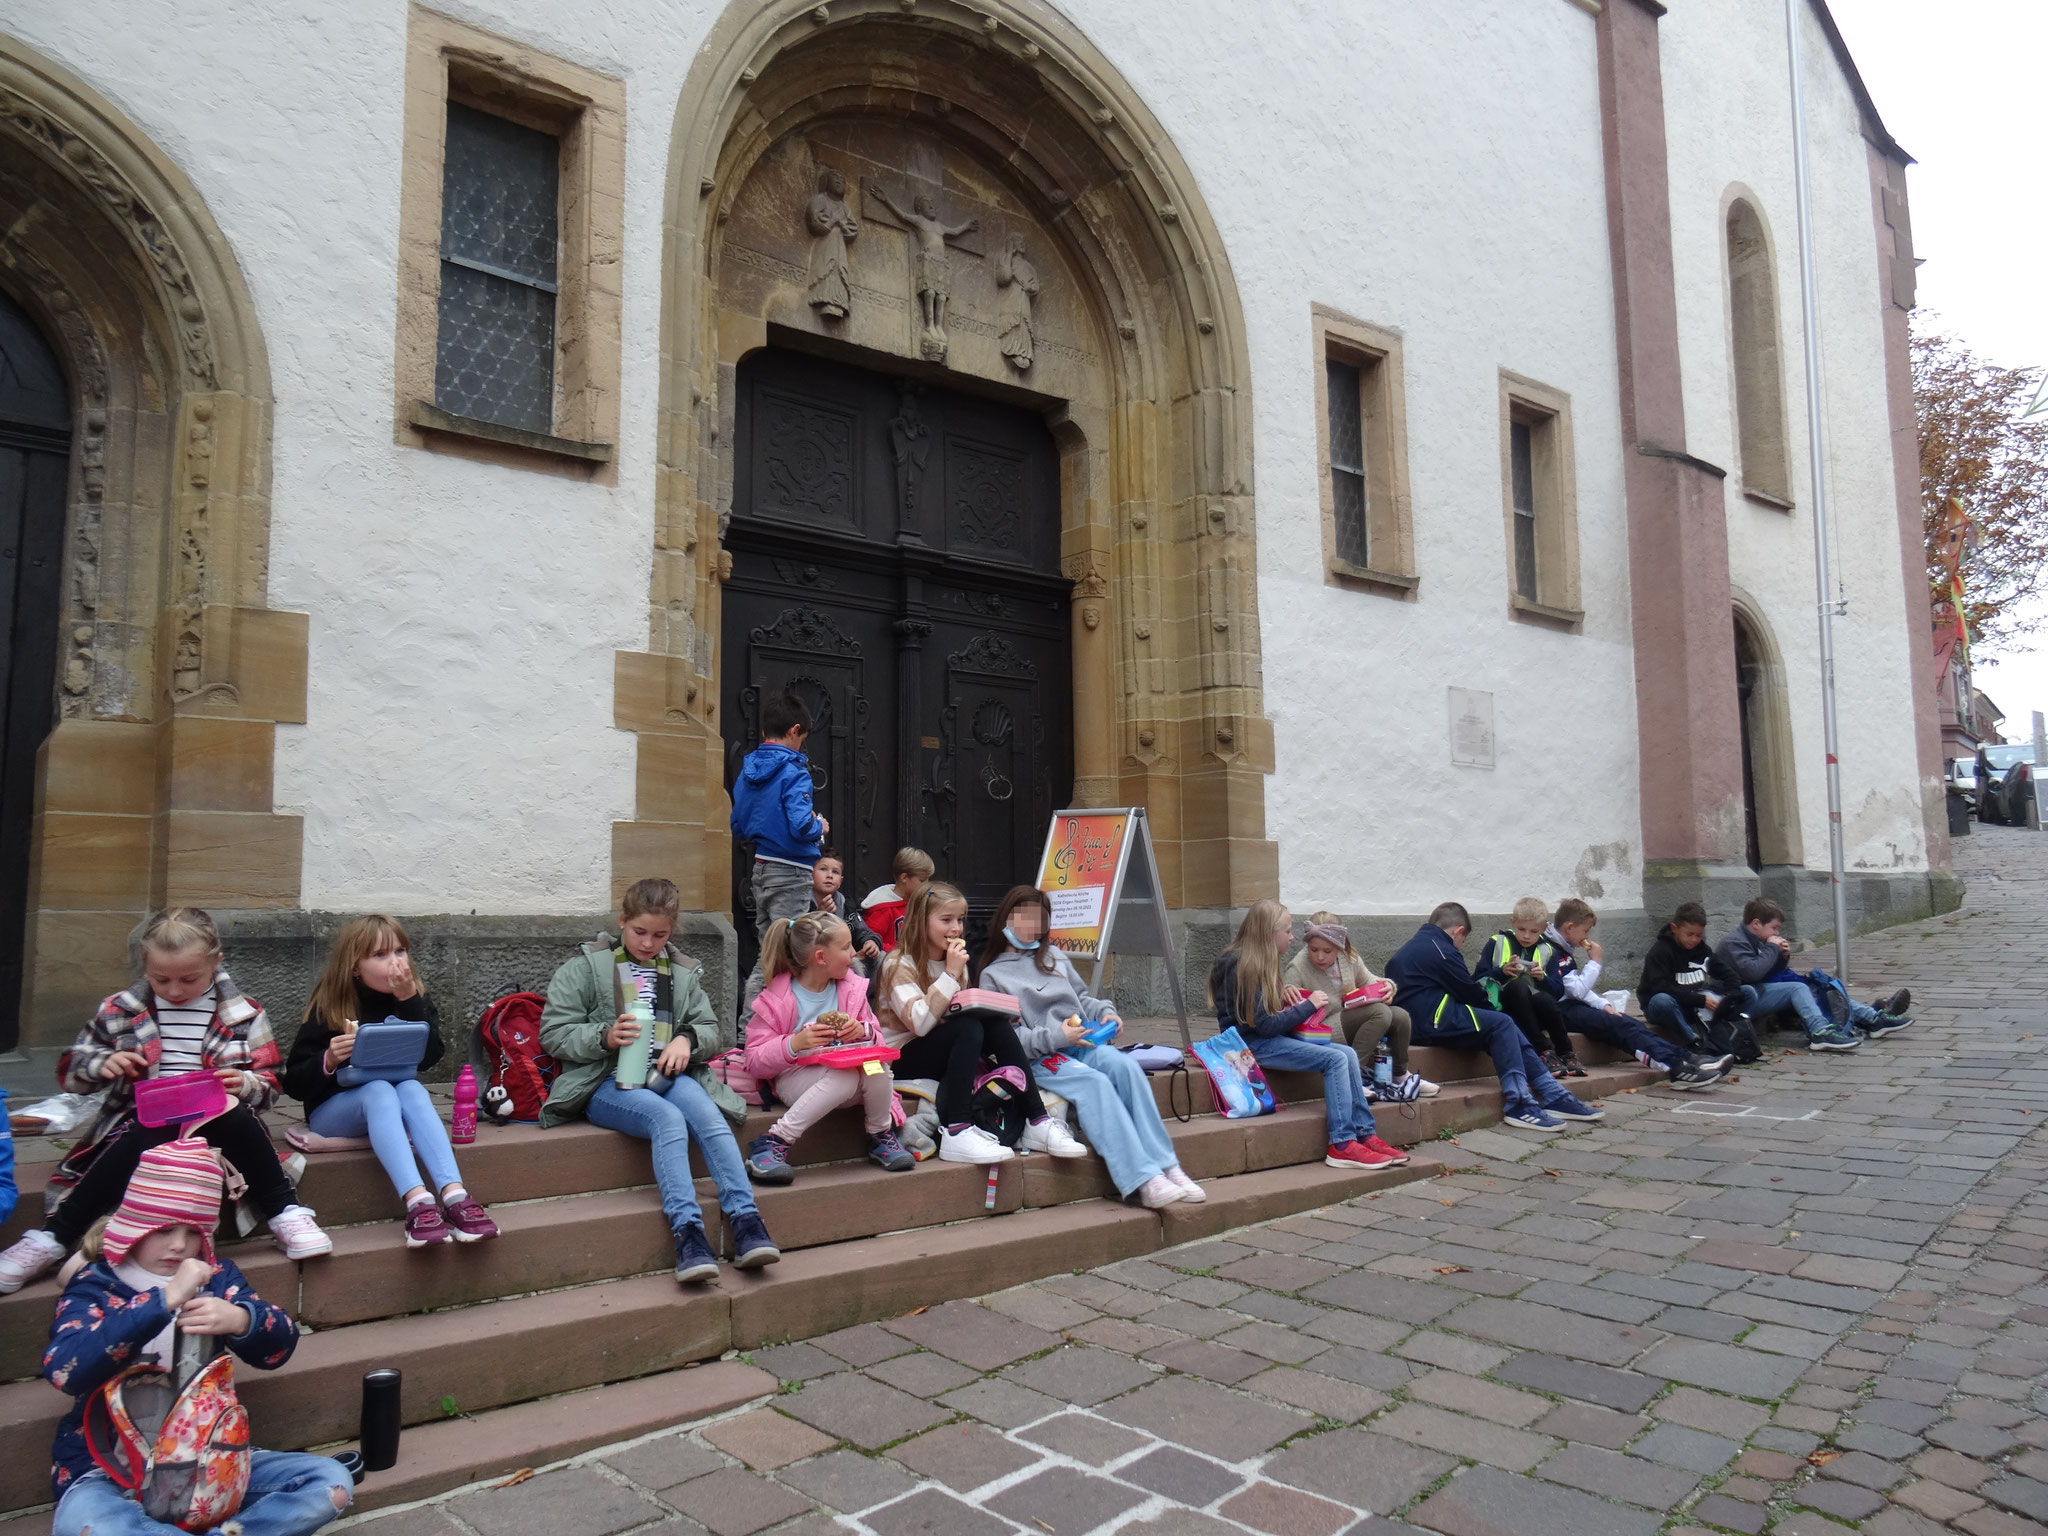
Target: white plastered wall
[(1728, 111)]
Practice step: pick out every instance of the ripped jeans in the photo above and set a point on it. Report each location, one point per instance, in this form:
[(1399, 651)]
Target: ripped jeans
[(290, 1494)]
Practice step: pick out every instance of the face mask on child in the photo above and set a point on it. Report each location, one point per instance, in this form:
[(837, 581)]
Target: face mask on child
[(1017, 943)]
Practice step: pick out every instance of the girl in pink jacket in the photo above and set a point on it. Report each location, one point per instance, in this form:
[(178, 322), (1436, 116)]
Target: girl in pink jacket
[(808, 1006)]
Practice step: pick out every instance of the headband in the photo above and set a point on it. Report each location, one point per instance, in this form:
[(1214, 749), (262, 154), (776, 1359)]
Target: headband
[(1330, 933)]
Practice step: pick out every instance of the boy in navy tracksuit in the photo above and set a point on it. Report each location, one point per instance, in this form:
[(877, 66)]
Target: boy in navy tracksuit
[(771, 808), (1576, 989), (1449, 1008)]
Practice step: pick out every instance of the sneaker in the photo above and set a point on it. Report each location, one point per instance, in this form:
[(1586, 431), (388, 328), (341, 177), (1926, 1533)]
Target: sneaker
[(1403, 1090), (1692, 1074), (1428, 1090), (695, 1262), (1572, 1067), (1552, 1063), (1159, 1190), (1190, 1191), (1358, 1154), (1049, 1135), (32, 1253), (1897, 1004), (752, 1247), (1840, 1038), (1884, 1024), (1719, 1064), (1391, 1153), (973, 1145), (469, 1221), (885, 1151), (424, 1227), (1565, 1107), (1374, 1093), (300, 1239), (1528, 1117), (768, 1161)]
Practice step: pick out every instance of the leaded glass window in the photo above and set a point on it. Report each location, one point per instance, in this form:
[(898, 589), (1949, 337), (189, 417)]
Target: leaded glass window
[(496, 355), (1522, 463), (1347, 460)]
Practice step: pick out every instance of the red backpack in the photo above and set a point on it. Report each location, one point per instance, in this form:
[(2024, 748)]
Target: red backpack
[(521, 1073)]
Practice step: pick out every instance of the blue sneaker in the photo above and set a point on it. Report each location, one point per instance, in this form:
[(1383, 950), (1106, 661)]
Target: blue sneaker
[(1529, 1117), (695, 1262), (751, 1245), (768, 1162), (1565, 1107), (1840, 1038), (1882, 1025)]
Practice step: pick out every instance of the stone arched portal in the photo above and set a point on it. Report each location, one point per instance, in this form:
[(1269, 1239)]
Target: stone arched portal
[(1004, 113), (154, 786)]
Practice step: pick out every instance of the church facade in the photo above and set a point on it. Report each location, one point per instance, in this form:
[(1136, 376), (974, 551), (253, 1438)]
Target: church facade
[(1369, 437)]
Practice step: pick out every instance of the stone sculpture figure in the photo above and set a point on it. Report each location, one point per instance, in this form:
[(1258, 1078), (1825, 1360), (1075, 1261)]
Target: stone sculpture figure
[(934, 264), (1016, 289), (832, 226), (910, 439)]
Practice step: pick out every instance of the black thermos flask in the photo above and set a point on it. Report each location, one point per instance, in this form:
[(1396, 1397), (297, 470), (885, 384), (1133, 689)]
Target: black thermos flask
[(378, 1433)]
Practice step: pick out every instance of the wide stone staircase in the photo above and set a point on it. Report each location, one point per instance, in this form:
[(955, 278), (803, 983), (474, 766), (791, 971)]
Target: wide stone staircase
[(568, 1331)]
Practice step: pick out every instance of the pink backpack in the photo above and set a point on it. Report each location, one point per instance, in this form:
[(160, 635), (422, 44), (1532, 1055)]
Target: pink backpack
[(730, 1068), (183, 1454)]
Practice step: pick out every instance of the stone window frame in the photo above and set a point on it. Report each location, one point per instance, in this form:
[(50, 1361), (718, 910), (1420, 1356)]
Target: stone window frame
[(1389, 510), (448, 60), (1548, 413), (1756, 354)]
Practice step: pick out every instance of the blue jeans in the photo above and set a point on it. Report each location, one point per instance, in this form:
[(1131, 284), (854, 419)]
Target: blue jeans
[(1774, 996), (399, 1119), (1523, 1077), (1618, 1029), (1665, 1011), (1113, 1099), (289, 1495), (666, 1121), (1344, 1108)]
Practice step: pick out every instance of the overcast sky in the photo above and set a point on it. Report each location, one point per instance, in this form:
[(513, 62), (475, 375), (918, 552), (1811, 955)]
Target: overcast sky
[(1959, 84)]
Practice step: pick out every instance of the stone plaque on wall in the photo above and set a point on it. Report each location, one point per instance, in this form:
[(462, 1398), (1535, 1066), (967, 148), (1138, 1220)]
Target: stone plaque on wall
[(1471, 728)]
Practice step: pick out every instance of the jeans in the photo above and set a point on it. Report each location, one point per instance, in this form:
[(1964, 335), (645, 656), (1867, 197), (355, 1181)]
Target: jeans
[(239, 1134), (1775, 996), (1618, 1029), (780, 890), (1366, 1024), (289, 1495), (1114, 1102), (1344, 1108), (666, 1121), (1666, 1011), (399, 1119), (1523, 1077)]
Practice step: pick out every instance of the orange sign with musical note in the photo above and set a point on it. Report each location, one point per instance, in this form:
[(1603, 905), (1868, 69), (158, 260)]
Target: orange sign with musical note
[(1083, 856)]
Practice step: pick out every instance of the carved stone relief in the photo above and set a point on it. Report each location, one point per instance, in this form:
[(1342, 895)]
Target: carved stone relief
[(910, 439), (1016, 289), (931, 262), (832, 226)]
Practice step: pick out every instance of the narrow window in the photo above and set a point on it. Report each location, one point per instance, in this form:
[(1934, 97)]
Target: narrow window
[(1347, 462), (500, 186), (1759, 369), (1521, 455)]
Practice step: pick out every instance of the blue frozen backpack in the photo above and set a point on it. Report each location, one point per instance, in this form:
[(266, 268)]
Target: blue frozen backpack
[(1832, 996)]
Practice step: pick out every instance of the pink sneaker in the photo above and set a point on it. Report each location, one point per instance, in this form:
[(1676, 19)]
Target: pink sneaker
[(471, 1222), (424, 1226)]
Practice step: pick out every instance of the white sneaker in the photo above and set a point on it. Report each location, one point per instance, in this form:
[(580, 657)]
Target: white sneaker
[(32, 1253), (973, 1145), (298, 1235), (1048, 1135), (1190, 1191), (1428, 1090), (1159, 1190)]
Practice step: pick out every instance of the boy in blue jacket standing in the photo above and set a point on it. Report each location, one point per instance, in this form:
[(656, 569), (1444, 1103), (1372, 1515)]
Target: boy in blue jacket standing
[(771, 808), (1449, 1008)]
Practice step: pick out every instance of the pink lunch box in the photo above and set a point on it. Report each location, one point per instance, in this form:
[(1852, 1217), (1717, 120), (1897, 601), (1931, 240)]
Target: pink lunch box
[(176, 1100)]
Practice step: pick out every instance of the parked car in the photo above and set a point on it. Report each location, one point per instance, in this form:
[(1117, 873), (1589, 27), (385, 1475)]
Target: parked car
[(1962, 779), (2005, 777)]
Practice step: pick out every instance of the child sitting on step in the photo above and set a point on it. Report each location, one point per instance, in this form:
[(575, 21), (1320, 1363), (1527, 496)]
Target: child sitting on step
[(1246, 990), (1514, 968), (369, 978), (1327, 963), (813, 1002), (151, 1269), (827, 876), (919, 980), (584, 1026), (1108, 1090), (185, 1015), (882, 908), (1594, 1014)]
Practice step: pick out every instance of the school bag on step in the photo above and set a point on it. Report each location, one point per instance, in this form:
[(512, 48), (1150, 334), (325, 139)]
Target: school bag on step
[(518, 1073)]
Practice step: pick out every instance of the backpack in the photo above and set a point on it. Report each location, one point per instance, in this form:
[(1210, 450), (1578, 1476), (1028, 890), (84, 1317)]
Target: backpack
[(519, 1072), (184, 1454), (1832, 996), (730, 1068), (1728, 1032)]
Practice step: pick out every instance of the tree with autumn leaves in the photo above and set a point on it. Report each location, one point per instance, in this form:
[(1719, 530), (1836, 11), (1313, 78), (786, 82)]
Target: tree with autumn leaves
[(1977, 446)]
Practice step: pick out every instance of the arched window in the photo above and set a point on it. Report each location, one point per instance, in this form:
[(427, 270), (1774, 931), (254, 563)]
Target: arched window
[(1759, 366)]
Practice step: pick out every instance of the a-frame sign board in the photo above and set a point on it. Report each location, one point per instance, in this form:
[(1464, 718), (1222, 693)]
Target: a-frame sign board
[(1100, 874)]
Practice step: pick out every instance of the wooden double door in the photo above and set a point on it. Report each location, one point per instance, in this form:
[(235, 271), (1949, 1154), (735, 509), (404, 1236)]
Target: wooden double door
[(895, 564)]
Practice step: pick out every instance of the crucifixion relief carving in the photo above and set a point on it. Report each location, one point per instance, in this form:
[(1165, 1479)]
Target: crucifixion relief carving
[(932, 263)]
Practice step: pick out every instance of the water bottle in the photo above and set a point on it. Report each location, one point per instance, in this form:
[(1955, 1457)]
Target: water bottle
[(462, 1130), (1383, 1071), (377, 1432), (630, 1071)]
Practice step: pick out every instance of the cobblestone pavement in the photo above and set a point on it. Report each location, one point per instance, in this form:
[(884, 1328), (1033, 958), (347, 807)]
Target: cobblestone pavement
[(1811, 1299)]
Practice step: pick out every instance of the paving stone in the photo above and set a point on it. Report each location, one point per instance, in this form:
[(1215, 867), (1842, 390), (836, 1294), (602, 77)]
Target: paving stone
[(1286, 1512), (864, 1344), (1205, 1291), (1772, 1466), (1845, 1501), (1284, 1310), (1182, 1522), (1324, 1396), (1937, 1501), (1879, 1441), (1285, 1272), (1713, 1412), (921, 1375), (1864, 1470), (1981, 1440), (765, 1440), (1695, 1324), (1206, 1418), (1952, 1468), (1080, 1374), (1833, 1269), (1122, 1335), (869, 1413), (576, 1498), (1385, 1296), (1582, 1338), (1678, 1446), (426, 1520), (1212, 1254), (1039, 1308), (1595, 1426), (1212, 1362), (732, 1503), (1996, 1522), (1516, 1450), (2021, 1495), (973, 1335), (1001, 1403), (1064, 1500), (1623, 1391), (797, 1362), (1186, 1479), (1591, 1301), (963, 1456), (1614, 1476), (1489, 1502), (1185, 1317), (1777, 1339), (1084, 1438), (659, 1464), (1362, 1469), (1348, 1328), (1383, 1373), (929, 1512), (847, 1480), (1721, 1368), (1908, 1418), (1730, 1514), (1451, 1352), (1282, 1346), (1468, 1394)]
